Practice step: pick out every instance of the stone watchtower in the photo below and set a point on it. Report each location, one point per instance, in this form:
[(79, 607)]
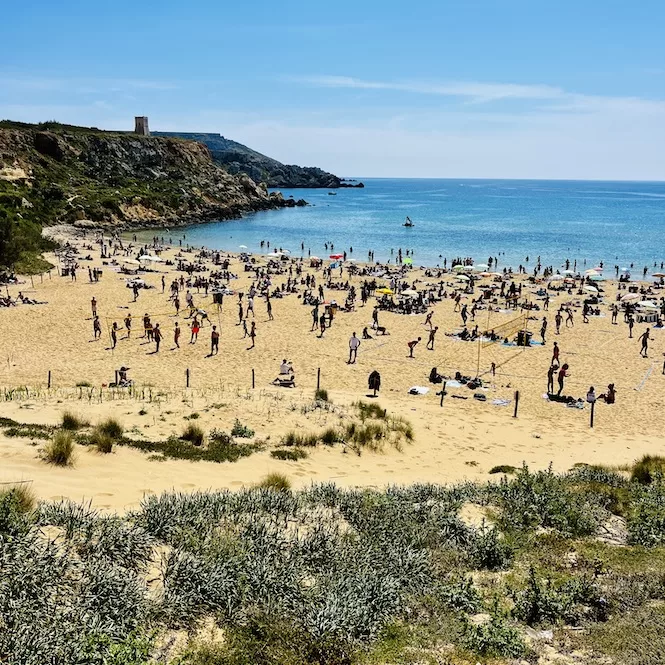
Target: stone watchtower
[(141, 125)]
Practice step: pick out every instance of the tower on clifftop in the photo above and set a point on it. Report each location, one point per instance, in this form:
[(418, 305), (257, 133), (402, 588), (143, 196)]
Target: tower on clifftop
[(141, 125)]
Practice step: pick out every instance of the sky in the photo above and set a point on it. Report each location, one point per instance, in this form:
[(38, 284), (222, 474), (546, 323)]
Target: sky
[(453, 88)]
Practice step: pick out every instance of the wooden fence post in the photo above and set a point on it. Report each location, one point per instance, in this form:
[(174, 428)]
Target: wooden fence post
[(187, 376), (252, 378), (318, 379), (593, 407), (517, 401), (443, 390), (49, 379)]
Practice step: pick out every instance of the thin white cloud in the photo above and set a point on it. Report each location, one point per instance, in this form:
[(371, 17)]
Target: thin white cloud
[(79, 85), (479, 92)]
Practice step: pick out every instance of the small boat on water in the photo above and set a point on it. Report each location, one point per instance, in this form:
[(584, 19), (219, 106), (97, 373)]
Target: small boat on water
[(408, 222), (332, 193)]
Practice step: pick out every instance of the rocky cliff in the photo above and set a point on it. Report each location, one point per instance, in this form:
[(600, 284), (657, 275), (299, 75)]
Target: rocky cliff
[(238, 158), (54, 173)]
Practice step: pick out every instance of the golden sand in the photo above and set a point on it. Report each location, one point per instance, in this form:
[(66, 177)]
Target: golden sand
[(462, 439)]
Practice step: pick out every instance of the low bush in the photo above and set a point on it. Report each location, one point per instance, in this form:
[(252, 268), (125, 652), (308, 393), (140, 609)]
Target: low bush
[(72, 422), (194, 434), (101, 441), (321, 395), (60, 449), (16, 503), (645, 470), (646, 519), (292, 455), (489, 550), (494, 639), (503, 468), (111, 427), (275, 481), (241, 430), (297, 439)]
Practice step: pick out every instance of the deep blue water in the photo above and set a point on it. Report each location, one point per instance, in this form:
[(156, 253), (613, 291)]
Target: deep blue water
[(617, 222)]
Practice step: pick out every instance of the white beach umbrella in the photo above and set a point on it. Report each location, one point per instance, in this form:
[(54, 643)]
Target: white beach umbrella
[(630, 296), (131, 262), (409, 292), (568, 272), (459, 268), (462, 278), (592, 271), (242, 246), (648, 304), (481, 266), (591, 288)]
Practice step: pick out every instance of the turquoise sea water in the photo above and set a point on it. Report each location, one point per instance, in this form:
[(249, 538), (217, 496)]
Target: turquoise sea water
[(617, 222)]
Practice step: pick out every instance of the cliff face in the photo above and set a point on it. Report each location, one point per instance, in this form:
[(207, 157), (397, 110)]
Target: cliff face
[(60, 174), (238, 158)]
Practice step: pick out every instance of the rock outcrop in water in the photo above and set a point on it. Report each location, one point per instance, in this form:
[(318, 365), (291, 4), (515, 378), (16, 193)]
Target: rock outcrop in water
[(238, 158), (55, 173)]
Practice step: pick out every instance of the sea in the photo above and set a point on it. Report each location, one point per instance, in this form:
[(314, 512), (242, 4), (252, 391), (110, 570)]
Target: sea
[(618, 223)]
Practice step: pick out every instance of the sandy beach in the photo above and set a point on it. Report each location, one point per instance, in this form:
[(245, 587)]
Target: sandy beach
[(463, 438)]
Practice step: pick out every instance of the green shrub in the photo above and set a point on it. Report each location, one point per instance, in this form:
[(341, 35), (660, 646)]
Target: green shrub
[(646, 469), (102, 441), (330, 436), (367, 410), (275, 481), (16, 503), (84, 384), (297, 439), (194, 434), (292, 455), (72, 422), (241, 430), (503, 468), (111, 427), (321, 395), (646, 519), (489, 550), (495, 638), (60, 449)]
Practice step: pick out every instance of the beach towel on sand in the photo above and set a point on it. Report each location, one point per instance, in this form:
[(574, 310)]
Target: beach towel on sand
[(418, 390)]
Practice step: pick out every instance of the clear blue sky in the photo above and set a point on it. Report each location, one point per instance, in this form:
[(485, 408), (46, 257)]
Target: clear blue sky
[(442, 89)]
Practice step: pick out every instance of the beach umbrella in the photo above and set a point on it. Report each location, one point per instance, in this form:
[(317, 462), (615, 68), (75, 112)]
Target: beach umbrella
[(459, 268), (286, 251), (242, 246), (556, 278), (336, 256), (658, 274), (481, 266), (568, 272), (591, 288), (409, 292), (408, 261), (592, 271), (596, 278), (385, 291), (351, 261), (630, 296), (131, 262), (648, 304), (462, 278), (314, 258)]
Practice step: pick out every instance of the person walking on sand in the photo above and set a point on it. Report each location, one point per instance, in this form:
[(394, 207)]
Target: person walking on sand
[(93, 306), (176, 335), (196, 327), (375, 318), (644, 339), (615, 313), (214, 341), (558, 320), (430, 341), (157, 336), (240, 313), (428, 319), (550, 379), (563, 373), (176, 304), (269, 309), (114, 335), (569, 318), (315, 318), (631, 323), (252, 335), (543, 329), (463, 314), (163, 283), (412, 345), (322, 325), (250, 306), (354, 343), (555, 354), (135, 291), (128, 325), (97, 327)]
